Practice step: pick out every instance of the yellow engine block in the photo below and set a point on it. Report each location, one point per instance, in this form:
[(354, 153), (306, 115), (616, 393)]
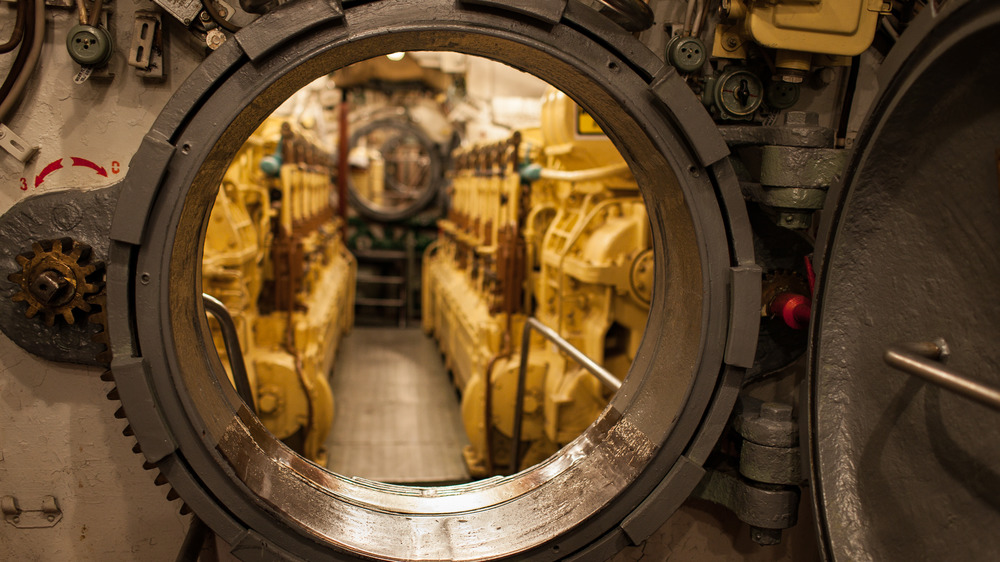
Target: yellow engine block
[(570, 246), (287, 279)]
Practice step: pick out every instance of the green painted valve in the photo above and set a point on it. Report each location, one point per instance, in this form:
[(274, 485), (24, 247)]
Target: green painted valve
[(686, 54), (89, 45), (737, 93)]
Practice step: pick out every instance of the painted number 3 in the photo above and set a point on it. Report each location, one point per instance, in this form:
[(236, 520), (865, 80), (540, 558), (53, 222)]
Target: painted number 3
[(24, 184)]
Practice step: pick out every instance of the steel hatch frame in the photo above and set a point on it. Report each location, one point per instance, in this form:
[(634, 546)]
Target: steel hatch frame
[(615, 484)]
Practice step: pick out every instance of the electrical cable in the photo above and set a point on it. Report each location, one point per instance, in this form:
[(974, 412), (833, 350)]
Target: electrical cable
[(699, 18), (26, 60), (217, 17), (688, 16), (18, 65), (18, 33)]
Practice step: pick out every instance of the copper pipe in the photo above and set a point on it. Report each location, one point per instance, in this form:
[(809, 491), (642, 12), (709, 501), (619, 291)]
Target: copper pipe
[(81, 9), (95, 14)]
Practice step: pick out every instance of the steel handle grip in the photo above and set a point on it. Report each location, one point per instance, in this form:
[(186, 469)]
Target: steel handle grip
[(241, 380), (921, 360)]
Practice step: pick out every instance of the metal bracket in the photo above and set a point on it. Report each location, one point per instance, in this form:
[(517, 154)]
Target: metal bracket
[(15, 145), (184, 10), (48, 516), (744, 311), (146, 52)]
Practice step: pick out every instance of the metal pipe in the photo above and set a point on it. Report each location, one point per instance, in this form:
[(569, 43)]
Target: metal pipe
[(241, 380), (699, 17), (918, 359), (584, 175), (607, 379), (343, 147), (95, 14), (81, 9), (688, 17)]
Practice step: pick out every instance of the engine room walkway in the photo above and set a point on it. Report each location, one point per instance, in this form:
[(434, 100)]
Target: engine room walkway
[(397, 417)]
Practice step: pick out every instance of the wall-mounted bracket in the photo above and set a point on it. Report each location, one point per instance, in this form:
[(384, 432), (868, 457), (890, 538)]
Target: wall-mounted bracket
[(15, 145), (48, 516)]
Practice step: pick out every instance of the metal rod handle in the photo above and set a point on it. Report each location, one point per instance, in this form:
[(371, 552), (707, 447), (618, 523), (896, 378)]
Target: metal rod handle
[(918, 359), (607, 379), (215, 307)]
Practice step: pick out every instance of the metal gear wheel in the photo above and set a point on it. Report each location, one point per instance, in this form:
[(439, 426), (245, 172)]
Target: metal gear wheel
[(56, 278)]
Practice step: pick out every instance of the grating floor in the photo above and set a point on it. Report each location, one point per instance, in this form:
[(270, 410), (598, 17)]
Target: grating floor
[(397, 417)]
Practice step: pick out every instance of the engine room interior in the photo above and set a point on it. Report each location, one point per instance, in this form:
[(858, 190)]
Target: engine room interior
[(499, 280)]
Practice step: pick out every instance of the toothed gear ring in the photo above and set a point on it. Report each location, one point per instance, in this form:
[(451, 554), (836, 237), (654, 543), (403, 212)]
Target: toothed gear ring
[(56, 278)]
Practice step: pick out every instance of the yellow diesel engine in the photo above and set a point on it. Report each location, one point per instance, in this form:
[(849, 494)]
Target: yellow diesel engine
[(548, 225), (274, 256)]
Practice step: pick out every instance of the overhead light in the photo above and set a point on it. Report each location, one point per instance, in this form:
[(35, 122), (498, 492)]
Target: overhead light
[(395, 56)]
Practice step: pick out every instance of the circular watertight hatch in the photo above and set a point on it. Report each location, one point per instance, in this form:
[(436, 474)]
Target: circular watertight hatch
[(612, 486), (904, 469), (413, 170)]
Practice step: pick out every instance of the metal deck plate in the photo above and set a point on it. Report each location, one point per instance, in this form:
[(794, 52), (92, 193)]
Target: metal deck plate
[(397, 415)]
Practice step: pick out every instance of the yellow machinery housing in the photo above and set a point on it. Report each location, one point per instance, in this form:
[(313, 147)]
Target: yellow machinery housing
[(571, 248), (287, 279), (798, 29)]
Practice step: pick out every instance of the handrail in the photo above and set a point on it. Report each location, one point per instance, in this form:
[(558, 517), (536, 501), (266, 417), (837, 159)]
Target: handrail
[(215, 307), (607, 379), (923, 360)]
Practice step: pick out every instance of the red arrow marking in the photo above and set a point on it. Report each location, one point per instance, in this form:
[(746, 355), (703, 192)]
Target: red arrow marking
[(57, 165), (88, 164)]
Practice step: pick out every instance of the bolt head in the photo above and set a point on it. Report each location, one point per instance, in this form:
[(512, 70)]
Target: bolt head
[(49, 287)]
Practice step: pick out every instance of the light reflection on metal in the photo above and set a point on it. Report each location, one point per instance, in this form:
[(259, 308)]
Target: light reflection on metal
[(215, 307)]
